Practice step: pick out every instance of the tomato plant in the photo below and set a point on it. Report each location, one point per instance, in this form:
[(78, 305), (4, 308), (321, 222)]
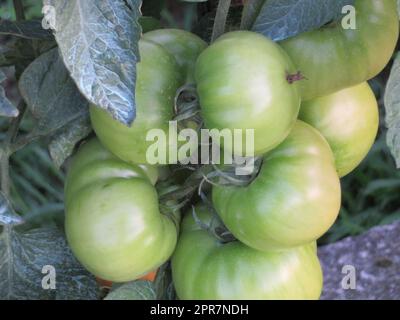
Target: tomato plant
[(349, 120), (205, 268), (113, 223), (242, 82), (110, 115), (333, 57), (293, 200)]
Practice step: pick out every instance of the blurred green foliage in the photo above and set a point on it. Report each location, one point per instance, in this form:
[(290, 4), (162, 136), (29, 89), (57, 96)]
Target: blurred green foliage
[(36, 184), (33, 9)]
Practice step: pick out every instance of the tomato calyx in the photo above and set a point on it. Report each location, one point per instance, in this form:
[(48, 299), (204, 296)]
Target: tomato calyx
[(171, 210), (227, 176), (187, 108), (175, 196), (292, 78), (215, 226)]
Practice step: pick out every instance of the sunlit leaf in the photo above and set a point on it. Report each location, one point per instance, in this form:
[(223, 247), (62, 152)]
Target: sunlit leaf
[(281, 19), (98, 40)]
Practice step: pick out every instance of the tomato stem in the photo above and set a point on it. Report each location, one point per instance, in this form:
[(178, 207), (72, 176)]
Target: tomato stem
[(19, 10), (187, 107), (292, 78), (220, 19)]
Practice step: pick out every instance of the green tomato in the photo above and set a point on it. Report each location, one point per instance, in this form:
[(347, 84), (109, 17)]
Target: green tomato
[(242, 84), (333, 58), (349, 120), (183, 45), (158, 79), (112, 221), (149, 23), (294, 199), (205, 268)]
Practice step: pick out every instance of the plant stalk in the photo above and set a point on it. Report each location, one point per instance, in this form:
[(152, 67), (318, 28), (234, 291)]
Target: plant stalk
[(19, 10), (251, 9), (220, 19)]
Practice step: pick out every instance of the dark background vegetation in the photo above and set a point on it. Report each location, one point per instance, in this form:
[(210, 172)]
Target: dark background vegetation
[(370, 193)]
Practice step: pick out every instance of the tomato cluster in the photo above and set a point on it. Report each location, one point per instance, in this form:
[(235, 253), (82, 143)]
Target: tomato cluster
[(309, 131)]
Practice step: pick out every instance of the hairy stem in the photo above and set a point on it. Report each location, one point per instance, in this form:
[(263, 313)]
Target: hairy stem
[(220, 19)]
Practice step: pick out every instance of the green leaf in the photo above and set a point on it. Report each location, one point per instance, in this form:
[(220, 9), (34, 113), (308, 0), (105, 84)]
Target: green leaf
[(23, 259), (31, 29), (98, 40), (136, 290), (22, 52), (281, 19), (63, 143), (392, 107), (51, 95), (7, 109)]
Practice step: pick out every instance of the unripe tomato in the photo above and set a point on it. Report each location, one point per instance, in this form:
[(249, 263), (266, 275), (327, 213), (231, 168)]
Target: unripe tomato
[(349, 120), (242, 83), (294, 199), (205, 268), (158, 79), (113, 222), (183, 45), (333, 58)]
